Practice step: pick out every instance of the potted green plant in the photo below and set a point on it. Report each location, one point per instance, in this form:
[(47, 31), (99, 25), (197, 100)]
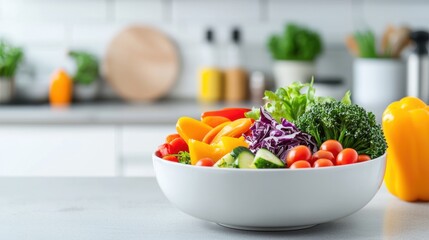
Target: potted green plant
[(86, 78), (294, 52), (378, 64), (10, 58)]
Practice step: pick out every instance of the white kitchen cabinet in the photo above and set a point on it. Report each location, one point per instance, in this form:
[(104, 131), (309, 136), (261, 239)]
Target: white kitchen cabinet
[(137, 144), (58, 150)]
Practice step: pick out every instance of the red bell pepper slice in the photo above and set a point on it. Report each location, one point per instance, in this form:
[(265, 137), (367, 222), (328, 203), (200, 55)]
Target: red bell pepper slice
[(230, 113)]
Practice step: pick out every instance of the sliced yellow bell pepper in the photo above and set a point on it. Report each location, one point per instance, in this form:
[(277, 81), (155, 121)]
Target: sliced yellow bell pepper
[(227, 144), (406, 128), (198, 149), (189, 128)]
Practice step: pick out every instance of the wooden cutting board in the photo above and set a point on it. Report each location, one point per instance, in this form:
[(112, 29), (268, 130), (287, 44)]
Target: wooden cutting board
[(141, 64)]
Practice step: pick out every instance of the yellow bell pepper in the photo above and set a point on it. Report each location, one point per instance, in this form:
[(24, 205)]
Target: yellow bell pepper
[(406, 128), (198, 149)]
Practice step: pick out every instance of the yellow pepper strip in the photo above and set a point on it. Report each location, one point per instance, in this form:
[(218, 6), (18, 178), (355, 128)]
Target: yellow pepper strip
[(198, 149), (227, 144), (406, 128), (189, 128), (234, 129), (208, 138)]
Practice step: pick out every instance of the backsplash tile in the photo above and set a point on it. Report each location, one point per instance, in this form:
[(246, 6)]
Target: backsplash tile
[(66, 11), (137, 10), (47, 29), (216, 11)]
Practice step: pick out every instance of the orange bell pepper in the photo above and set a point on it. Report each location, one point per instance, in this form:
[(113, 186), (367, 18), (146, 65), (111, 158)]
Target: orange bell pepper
[(208, 138), (189, 128), (406, 128), (214, 121), (234, 129)]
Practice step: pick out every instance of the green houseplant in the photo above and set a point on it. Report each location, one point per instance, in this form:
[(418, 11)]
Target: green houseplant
[(294, 52), (10, 58), (86, 77)]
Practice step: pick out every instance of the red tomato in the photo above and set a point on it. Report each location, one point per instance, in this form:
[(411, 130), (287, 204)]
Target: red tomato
[(300, 164), (171, 137), (164, 149), (322, 154), (323, 162), (205, 162), (363, 158), (347, 156), (158, 154), (297, 153), (332, 146), (178, 145), (171, 158)]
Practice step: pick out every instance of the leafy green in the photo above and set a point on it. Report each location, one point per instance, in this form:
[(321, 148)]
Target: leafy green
[(87, 67), (10, 58), (366, 44), (183, 157), (295, 43), (290, 102), (348, 123)]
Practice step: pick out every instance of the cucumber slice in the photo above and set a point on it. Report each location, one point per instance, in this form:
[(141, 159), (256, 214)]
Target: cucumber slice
[(266, 159), (244, 157), (226, 161)]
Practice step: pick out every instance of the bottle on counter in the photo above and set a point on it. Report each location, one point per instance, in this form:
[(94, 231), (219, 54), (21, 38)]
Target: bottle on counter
[(236, 77), (60, 89), (210, 75), (418, 67)]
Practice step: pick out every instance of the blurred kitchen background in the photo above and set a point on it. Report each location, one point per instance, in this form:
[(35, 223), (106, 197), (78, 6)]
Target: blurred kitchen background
[(115, 132)]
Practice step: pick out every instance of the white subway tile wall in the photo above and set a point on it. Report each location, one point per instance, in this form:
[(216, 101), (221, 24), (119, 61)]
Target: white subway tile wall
[(47, 29)]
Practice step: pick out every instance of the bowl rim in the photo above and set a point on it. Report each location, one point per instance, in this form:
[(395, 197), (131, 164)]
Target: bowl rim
[(332, 168)]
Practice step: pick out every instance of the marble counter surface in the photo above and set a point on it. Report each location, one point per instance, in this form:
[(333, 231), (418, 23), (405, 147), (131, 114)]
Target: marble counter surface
[(135, 208)]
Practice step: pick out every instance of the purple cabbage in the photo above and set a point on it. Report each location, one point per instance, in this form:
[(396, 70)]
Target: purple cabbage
[(277, 138)]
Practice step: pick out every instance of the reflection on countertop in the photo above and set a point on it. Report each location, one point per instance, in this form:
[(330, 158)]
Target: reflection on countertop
[(109, 112)]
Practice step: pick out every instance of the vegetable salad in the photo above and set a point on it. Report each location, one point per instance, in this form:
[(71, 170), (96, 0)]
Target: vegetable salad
[(294, 129)]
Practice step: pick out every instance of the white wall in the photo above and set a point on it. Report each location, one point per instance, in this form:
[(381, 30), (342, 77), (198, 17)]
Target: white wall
[(47, 28)]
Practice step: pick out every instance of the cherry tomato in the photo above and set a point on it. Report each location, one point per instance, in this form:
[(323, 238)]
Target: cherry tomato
[(205, 162), (171, 158), (321, 154), (297, 153), (347, 156), (178, 145), (171, 137), (300, 164), (158, 154), (164, 149), (323, 162), (363, 158), (332, 146)]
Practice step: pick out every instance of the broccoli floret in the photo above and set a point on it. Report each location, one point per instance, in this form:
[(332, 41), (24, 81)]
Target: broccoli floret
[(350, 124)]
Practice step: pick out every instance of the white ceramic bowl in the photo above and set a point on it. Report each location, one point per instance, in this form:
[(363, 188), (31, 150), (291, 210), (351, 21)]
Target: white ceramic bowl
[(270, 199)]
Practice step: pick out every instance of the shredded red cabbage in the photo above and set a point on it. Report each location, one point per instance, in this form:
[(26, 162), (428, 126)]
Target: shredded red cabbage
[(277, 138)]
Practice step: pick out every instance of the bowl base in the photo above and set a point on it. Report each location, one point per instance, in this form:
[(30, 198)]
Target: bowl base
[(266, 229)]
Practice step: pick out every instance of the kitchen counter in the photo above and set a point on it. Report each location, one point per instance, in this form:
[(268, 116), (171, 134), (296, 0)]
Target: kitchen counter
[(162, 112), (135, 208)]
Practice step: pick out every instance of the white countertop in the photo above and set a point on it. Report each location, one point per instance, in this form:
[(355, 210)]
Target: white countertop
[(163, 112), (135, 208)]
